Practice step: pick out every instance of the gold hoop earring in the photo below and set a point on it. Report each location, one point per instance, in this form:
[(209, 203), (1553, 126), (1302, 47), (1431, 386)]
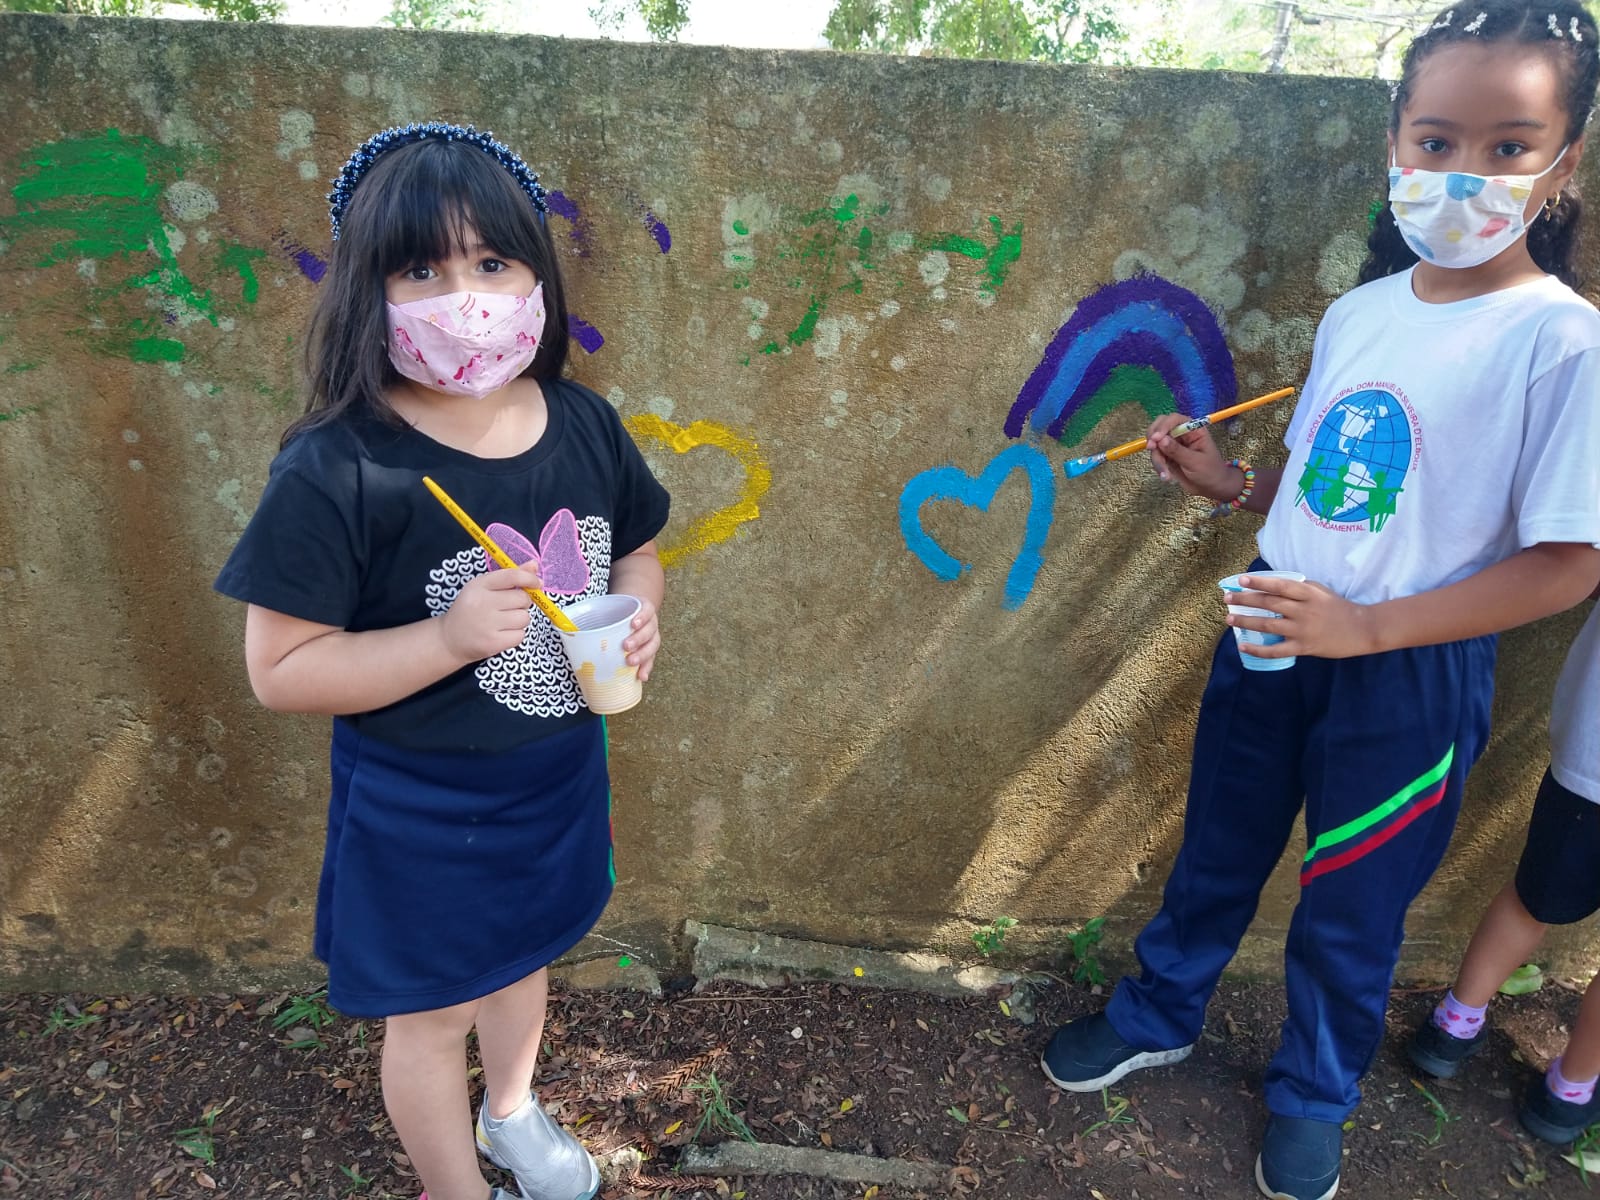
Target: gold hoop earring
[(1551, 205)]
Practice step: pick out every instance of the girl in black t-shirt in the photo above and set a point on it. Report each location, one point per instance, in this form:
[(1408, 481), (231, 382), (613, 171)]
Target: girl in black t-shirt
[(469, 828)]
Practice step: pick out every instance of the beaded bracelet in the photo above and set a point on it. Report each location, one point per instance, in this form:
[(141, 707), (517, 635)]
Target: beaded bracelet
[(1238, 502)]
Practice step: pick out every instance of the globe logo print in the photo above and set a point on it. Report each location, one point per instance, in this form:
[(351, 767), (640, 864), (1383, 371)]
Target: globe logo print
[(1358, 461)]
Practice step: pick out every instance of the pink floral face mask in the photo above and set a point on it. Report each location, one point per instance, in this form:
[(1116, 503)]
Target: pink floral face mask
[(466, 343)]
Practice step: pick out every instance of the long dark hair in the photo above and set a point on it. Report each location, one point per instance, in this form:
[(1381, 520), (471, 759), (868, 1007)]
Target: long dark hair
[(1567, 32), (416, 203)]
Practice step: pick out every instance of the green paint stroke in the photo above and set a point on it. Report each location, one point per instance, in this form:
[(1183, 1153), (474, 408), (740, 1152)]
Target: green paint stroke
[(155, 349), (1129, 383), (12, 414), (239, 258), (19, 368), (98, 197), (99, 193), (832, 252), (996, 259)]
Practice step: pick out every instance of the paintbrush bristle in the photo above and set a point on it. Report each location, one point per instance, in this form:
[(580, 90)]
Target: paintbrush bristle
[(1082, 466)]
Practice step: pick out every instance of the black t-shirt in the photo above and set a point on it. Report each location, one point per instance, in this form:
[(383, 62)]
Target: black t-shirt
[(347, 535)]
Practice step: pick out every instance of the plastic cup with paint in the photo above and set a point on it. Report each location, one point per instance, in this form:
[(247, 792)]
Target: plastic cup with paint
[(1249, 637), (608, 684)]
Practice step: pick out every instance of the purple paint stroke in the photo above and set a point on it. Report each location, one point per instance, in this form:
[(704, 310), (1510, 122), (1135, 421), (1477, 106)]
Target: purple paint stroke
[(657, 229), (312, 265), (1145, 321), (585, 334), (563, 207)]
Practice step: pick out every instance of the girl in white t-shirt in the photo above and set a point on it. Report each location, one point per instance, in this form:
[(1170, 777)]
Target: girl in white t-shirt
[(1557, 883), (1442, 484)]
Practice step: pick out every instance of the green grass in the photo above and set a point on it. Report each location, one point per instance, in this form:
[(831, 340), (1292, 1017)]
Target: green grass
[(1116, 1110), (716, 1110), (1441, 1116), (65, 1017), (311, 1011)]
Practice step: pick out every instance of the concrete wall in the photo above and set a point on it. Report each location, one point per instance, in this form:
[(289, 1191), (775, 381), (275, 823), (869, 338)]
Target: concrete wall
[(817, 287)]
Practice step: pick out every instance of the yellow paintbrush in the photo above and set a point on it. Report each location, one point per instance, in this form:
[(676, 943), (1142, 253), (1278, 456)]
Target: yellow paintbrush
[(1082, 466), (546, 605)]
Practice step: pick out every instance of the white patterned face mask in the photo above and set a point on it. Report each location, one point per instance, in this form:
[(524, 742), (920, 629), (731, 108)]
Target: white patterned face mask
[(1453, 219)]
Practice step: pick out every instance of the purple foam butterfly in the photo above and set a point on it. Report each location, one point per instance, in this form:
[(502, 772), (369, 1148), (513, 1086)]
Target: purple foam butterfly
[(559, 557)]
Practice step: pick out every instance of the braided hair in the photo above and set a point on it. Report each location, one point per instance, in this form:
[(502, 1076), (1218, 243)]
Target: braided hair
[(1568, 32)]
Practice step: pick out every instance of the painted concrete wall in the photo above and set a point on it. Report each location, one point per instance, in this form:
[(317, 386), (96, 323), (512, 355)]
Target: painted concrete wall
[(827, 293)]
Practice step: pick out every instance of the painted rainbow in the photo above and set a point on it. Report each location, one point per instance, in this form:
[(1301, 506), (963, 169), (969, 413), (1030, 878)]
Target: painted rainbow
[(1143, 322)]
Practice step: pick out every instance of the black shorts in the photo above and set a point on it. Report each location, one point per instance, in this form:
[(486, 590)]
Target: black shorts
[(1558, 877)]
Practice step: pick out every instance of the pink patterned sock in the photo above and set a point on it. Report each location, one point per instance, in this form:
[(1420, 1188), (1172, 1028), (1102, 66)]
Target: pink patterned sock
[(1566, 1089), (1457, 1019)]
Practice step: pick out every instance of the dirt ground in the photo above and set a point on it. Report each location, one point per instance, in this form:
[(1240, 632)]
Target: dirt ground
[(139, 1097)]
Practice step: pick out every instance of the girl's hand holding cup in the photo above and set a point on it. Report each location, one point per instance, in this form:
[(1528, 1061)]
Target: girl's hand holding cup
[(642, 645), (490, 615), (1312, 618)]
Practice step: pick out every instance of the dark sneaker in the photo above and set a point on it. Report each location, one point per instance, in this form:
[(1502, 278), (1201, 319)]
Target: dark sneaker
[(1299, 1158), (1087, 1054), (1433, 1050), (1548, 1116)]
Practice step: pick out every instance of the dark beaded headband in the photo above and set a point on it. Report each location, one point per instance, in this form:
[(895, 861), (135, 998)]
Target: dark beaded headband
[(381, 143)]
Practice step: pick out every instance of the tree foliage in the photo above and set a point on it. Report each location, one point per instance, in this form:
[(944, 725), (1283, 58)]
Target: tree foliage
[(663, 20), (1339, 37), (222, 10), (1056, 31), (436, 14)]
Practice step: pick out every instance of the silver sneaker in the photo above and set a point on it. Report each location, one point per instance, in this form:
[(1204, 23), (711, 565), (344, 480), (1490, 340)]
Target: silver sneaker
[(548, 1162)]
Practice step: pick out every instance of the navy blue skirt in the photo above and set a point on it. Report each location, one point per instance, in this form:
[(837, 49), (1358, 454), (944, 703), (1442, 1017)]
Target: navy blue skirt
[(448, 876)]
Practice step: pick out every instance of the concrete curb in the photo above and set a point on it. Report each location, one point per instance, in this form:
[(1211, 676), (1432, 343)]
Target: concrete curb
[(763, 1158), (606, 975), (767, 960)]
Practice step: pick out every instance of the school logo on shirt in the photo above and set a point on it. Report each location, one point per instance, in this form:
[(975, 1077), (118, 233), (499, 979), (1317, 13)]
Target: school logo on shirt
[(1363, 445)]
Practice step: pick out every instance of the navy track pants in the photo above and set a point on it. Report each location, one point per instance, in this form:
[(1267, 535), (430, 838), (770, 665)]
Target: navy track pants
[(1377, 749)]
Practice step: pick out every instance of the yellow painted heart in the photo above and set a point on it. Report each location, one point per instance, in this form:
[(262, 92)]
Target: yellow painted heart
[(718, 526)]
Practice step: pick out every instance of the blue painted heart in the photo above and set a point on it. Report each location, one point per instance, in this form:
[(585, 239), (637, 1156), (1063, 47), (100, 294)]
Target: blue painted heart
[(952, 483), (1462, 187)]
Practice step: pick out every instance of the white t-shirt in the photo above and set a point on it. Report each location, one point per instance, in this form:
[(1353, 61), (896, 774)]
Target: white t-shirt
[(1575, 716), (1433, 440)]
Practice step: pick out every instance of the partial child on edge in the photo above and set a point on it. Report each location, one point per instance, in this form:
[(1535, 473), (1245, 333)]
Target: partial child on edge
[(1557, 883), (1440, 487)]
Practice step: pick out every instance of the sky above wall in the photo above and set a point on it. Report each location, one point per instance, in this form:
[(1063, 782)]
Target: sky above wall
[(792, 25)]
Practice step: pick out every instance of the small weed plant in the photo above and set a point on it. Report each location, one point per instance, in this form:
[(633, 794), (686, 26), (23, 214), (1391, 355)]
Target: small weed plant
[(65, 1016), (1441, 1116), (198, 1141), (354, 1179), (310, 1011), (716, 1110), (989, 938), (1586, 1153), (1085, 944), (1116, 1110)]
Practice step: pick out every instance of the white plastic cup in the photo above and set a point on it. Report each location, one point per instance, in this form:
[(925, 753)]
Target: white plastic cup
[(1249, 637), (608, 684)]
